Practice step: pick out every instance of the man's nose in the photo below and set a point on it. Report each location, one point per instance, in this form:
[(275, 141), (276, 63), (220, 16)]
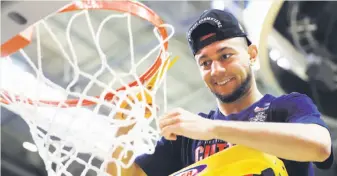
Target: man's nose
[(217, 68)]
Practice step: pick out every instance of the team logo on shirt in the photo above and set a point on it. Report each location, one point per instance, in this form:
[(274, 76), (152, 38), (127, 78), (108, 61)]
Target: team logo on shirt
[(261, 115), (205, 149), (192, 171), (259, 109)]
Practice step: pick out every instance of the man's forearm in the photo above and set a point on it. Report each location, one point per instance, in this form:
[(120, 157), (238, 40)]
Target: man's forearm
[(299, 142), (134, 169)]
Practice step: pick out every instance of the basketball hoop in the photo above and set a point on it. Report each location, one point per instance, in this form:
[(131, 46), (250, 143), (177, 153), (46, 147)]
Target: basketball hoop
[(66, 127)]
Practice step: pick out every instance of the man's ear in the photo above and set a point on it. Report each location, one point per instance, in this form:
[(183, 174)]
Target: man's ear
[(252, 51)]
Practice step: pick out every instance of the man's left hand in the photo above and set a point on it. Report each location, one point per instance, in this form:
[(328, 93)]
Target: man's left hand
[(184, 123)]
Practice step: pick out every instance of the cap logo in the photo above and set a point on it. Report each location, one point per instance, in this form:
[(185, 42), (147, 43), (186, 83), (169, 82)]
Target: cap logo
[(202, 20), (207, 36)]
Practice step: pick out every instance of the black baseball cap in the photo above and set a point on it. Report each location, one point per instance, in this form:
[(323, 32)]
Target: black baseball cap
[(220, 22)]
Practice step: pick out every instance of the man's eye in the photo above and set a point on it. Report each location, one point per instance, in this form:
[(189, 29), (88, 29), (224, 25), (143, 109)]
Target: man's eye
[(205, 63), (226, 56)]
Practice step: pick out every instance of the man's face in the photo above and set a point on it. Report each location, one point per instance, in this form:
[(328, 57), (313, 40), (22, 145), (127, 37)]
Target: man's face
[(224, 66)]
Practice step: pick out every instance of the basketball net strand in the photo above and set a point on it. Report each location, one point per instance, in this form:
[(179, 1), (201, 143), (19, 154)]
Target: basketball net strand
[(62, 133)]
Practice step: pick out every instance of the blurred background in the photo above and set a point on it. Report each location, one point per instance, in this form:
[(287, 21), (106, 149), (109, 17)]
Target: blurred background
[(297, 53)]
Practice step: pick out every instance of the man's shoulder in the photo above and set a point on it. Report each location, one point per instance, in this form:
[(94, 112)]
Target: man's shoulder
[(285, 101), (291, 98), (289, 106), (291, 95)]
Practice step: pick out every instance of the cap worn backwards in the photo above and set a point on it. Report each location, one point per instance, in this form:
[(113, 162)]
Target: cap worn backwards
[(220, 24)]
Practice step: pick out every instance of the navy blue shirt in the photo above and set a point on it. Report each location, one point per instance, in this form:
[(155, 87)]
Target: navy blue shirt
[(171, 156)]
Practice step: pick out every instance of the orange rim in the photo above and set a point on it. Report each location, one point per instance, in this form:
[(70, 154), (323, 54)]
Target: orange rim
[(134, 8)]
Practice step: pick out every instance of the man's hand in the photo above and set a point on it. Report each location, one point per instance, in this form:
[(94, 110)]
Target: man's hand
[(183, 123)]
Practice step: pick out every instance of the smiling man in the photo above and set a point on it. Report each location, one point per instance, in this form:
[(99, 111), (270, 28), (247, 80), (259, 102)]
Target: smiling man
[(289, 127)]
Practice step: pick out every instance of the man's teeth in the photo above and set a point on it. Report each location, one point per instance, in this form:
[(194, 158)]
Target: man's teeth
[(223, 82)]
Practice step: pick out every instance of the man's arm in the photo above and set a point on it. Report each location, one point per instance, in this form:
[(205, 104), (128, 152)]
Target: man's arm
[(292, 141), (134, 169), (295, 141), (164, 161)]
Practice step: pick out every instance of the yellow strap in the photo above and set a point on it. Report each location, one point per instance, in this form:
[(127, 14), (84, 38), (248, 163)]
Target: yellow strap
[(152, 81), (149, 84)]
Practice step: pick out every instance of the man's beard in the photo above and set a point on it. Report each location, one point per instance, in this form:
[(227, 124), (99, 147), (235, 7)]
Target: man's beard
[(238, 93)]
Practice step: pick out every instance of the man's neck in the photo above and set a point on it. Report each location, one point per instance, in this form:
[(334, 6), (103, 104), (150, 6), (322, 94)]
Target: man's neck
[(251, 96)]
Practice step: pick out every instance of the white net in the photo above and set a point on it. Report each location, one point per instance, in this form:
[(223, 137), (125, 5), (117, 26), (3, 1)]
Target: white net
[(79, 136)]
